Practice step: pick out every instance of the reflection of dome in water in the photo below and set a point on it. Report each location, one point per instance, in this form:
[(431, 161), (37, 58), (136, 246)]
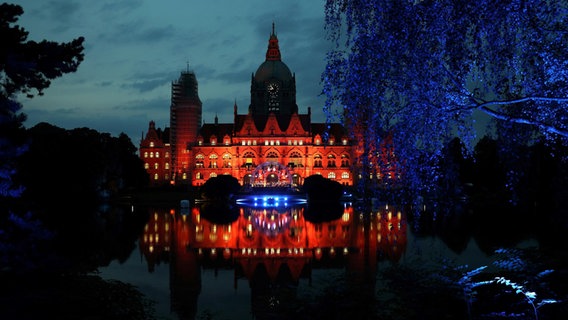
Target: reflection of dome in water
[(271, 222)]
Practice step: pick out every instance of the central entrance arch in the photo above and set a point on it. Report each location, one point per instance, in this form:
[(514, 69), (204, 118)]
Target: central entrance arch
[(271, 174)]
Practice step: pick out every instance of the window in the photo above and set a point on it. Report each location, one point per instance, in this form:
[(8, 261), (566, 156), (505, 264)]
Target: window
[(199, 161), (146, 166), (156, 176), (146, 154), (344, 160), (345, 175), (157, 154), (331, 161), (249, 162), (272, 156), (212, 175), (296, 159), (167, 165), (167, 154), (317, 139), (331, 175), (226, 160), (151, 154), (213, 161), (199, 176), (317, 161), (184, 176), (156, 165), (151, 144)]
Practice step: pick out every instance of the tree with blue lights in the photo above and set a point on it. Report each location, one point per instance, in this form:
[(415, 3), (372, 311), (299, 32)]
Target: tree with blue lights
[(26, 67), (422, 71)]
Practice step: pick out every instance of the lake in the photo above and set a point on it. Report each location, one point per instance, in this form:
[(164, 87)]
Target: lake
[(286, 260)]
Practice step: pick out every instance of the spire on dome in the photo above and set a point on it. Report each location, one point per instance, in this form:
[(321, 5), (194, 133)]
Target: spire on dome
[(273, 52)]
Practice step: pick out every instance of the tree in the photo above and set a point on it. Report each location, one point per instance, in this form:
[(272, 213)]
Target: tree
[(26, 67), (419, 69)]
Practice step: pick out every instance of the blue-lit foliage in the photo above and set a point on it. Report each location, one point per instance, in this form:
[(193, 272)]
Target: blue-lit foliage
[(421, 70)]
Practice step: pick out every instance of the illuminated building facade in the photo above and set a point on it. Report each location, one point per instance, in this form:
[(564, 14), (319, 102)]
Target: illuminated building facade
[(272, 144)]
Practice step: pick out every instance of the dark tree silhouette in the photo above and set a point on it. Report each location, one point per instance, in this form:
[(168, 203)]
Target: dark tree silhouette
[(220, 188), (26, 67)]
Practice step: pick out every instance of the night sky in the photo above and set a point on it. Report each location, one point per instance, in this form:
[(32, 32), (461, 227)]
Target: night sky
[(134, 49)]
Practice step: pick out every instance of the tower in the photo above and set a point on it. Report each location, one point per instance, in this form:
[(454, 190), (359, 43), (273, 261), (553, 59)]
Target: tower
[(185, 121), (273, 86)]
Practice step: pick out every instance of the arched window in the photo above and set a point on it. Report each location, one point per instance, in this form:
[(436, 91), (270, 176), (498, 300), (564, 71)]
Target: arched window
[(331, 161), (344, 160), (146, 154), (213, 161), (212, 175), (156, 176), (272, 156), (226, 160), (157, 154), (345, 175), (331, 175), (167, 165), (199, 176), (317, 161), (249, 159), (295, 159), (156, 165), (199, 160), (146, 166)]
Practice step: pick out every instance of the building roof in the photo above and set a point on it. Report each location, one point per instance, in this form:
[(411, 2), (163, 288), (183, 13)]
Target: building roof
[(217, 129)]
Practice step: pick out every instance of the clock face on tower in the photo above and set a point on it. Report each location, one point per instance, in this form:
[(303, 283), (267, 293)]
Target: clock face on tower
[(273, 96)]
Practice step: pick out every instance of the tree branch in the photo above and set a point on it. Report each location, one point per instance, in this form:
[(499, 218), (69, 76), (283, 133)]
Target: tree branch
[(515, 119)]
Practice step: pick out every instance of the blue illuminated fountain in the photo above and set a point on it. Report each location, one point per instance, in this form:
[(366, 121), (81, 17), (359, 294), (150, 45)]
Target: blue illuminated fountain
[(271, 186)]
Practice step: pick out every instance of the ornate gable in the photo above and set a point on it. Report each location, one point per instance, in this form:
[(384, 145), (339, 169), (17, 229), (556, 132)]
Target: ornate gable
[(272, 127)]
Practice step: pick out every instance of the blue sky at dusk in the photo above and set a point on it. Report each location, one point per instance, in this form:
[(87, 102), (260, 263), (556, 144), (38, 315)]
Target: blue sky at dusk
[(134, 49)]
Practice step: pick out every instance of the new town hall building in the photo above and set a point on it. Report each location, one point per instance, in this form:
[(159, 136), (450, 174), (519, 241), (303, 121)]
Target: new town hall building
[(271, 144)]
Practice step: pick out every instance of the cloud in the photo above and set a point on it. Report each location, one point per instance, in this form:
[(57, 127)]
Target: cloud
[(137, 32), (145, 82), (120, 7), (145, 105)]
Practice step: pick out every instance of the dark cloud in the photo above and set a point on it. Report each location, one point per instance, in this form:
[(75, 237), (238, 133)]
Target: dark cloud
[(138, 32), (62, 10), (145, 82), (105, 83), (146, 105), (120, 7)]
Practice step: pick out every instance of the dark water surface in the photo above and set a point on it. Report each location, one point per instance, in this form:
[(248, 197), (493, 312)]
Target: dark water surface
[(335, 261)]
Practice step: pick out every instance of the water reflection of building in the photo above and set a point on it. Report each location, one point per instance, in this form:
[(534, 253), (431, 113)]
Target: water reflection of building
[(267, 246)]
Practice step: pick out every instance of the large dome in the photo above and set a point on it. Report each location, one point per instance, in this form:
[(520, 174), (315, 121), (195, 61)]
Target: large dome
[(273, 69)]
